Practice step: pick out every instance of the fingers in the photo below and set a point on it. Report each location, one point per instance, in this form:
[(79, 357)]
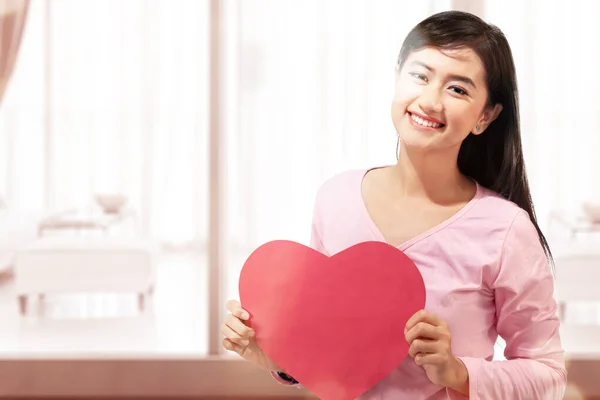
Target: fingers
[(231, 346), (234, 307), (429, 359), (426, 340), (237, 334), (424, 316), (238, 326), (423, 330), (423, 346), (234, 336)]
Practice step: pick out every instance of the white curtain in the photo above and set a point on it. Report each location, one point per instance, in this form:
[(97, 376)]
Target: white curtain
[(111, 97), (557, 57)]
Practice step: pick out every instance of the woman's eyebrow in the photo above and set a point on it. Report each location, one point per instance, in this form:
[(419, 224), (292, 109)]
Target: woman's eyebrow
[(452, 77)]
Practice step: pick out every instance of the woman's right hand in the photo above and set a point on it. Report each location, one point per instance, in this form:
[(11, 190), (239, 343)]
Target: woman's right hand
[(241, 339)]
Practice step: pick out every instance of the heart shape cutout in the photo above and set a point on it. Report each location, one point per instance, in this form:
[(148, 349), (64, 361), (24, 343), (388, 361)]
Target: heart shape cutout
[(336, 324)]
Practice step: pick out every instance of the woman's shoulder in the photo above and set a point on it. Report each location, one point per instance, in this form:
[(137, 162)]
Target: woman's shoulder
[(340, 193), (502, 214), (501, 235), (345, 180), (340, 184)]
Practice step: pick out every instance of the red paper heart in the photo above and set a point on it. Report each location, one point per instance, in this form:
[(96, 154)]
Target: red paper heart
[(336, 324)]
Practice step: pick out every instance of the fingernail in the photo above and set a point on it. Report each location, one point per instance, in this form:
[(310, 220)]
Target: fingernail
[(245, 342), (245, 315)]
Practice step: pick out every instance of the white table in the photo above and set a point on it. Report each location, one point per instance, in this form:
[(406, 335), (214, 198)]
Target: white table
[(85, 264)]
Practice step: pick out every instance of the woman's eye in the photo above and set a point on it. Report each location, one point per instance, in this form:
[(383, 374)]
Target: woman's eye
[(458, 90), (418, 76)]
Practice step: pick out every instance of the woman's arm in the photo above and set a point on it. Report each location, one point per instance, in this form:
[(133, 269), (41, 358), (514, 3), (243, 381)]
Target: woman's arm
[(526, 318)]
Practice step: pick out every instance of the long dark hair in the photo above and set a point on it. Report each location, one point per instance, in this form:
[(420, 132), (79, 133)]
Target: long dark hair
[(494, 158)]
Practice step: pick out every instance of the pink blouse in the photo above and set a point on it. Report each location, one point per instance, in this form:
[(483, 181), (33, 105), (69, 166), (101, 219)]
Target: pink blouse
[(485, 274)]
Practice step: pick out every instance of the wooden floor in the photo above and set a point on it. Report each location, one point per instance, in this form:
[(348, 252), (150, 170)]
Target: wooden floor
[(208, 398), (203, 398)]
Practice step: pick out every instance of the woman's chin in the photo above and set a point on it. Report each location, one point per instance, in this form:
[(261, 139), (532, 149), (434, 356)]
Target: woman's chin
[(417, 142)]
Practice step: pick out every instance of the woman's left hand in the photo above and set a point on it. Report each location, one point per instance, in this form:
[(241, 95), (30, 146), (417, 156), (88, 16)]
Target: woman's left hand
[(430, 345)]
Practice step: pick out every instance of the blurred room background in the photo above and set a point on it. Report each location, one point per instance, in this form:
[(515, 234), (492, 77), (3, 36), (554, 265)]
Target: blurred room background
[(203, 128)]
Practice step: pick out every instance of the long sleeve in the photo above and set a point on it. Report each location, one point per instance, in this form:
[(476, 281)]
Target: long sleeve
[(526, 318)]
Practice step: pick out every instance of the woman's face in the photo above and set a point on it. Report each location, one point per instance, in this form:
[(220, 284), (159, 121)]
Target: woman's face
[(440, 98)]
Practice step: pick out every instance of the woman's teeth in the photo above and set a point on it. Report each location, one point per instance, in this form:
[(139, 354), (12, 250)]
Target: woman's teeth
[(421, 121)]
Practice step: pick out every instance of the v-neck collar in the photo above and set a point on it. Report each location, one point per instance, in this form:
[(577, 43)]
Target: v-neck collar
[(403, 246)]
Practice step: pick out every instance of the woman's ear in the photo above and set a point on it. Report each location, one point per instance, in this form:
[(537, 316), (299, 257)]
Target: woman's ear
[(488, 116)]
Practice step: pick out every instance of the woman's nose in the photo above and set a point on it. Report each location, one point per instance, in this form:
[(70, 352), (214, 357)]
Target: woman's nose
[(430, 100)]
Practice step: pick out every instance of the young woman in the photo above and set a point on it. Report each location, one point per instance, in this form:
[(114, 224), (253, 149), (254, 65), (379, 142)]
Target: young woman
[(457, 202)]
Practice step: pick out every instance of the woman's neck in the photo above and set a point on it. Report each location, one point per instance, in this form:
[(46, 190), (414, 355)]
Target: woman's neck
[(431, 175)]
